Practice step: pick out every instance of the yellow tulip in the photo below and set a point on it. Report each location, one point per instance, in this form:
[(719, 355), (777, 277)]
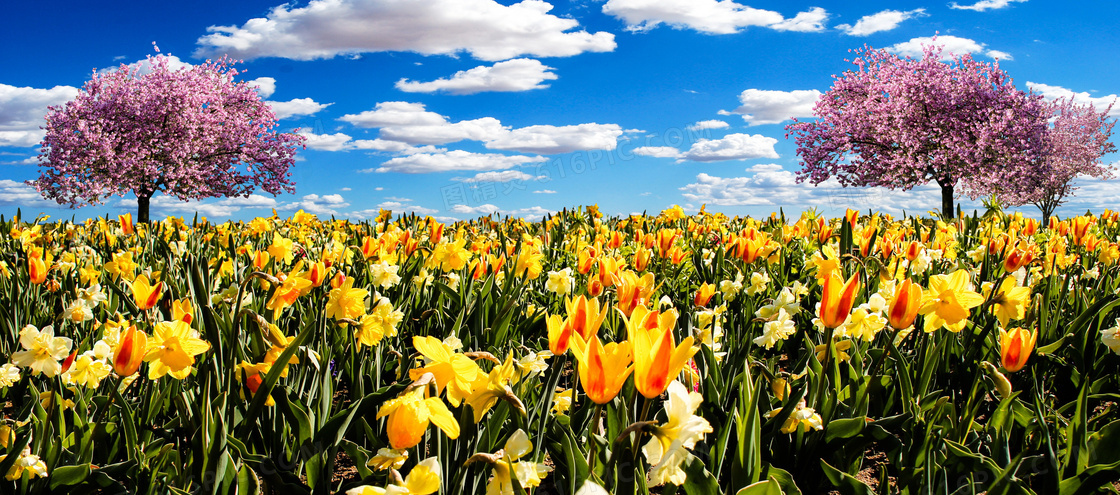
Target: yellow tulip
[(657, 360)]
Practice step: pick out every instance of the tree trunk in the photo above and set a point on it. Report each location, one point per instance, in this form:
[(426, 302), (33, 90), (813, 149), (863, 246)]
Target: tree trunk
[(947, 201), (142, 201)]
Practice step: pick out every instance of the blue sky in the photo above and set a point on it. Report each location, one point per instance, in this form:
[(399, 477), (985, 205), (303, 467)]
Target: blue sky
[(456, 108)]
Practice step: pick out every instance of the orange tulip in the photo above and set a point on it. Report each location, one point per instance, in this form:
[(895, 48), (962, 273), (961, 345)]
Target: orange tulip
[(1017, 258), (129, 353), (146, 295), (602, 369), (913, 249), (837, 298), (584, 315), (594, 287), (641, 259), (851, 216), (37, 269), (182, 310), (317, 274), (559, 334), (1015, 347), (657, 360), (704, 294), (904, 307), (126, 223), (69, 361)]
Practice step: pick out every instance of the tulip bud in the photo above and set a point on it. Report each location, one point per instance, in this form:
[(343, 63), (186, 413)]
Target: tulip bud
[(129, 353), (904, 307)]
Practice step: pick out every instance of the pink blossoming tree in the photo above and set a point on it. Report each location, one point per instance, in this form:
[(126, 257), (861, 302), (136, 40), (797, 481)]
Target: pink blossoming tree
[(192, 133), (1076, 140), (899, 123)]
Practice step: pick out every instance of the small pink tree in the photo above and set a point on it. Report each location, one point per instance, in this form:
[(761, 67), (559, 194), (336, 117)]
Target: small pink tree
[(1077, 138), (899, 123), (192, 133)]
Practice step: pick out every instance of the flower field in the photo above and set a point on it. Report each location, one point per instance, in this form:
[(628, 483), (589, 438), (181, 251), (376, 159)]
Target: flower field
[(644, 354)]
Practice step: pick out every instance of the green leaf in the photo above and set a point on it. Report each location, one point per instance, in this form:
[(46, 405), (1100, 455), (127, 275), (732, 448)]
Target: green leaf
[(847, 483), (68, 475), (700, 481), (844, 428), (247, 481), (768, 487)]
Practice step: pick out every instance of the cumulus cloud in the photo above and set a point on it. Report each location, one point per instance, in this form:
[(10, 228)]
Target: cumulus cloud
[(327, 142), (164, 205), (760, 106), (14, 193), (412, 123), (265, 86), (772, 186), (658, 151), (708, 124), (486, 29), (503, 176), (549, 139), (952, 46), (732, 147), (396, 207), (520, 74), (881, 21), (708, 16), (1054, 92), (328, 204), (296, 107), (22, 110), (532, 212), (454, 160), (810, 21), (983, 5)]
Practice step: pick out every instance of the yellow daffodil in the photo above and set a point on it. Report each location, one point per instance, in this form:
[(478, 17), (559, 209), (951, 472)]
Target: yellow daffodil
[(529, 474), (381, 322), (172, 348), (1010, 301), (411, 413), (948, 300), (453, 371), (424, 479), (346, 301)]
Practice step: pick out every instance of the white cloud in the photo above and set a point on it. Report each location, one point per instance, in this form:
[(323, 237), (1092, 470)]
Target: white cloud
[(544, 191), (344, 189), (503, 176), (1054, 92), (14, 193), (144, 66), (952, 46), (265, 86), (772, 186), (548, 139), (658, 151), (532, 212), (298, 106), (881, 21), (732, 147), (708, 124), (810, 21), (760, 106), (22, 110), (412, 123), (707, 16), (395, 113), (454, 160), (164, 205), (328, 204), (398, 207), (327, 142), (21, 138), (520, 74), (983, 5), (328, 28)]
